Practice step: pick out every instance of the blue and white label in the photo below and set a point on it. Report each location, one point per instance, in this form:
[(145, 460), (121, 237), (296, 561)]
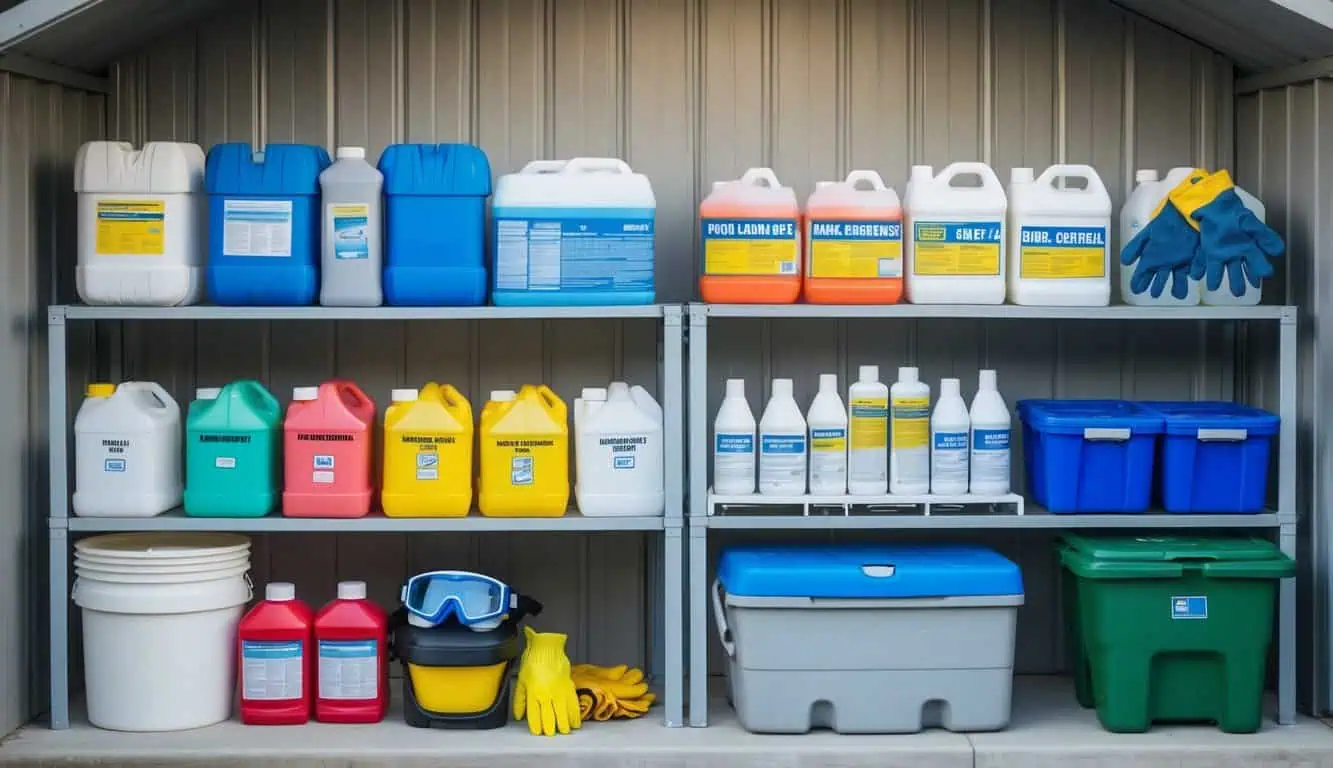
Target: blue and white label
[(622, 462), (323, 461), (113, 465), (428, 466), (575, 252), (948, 459), (349, 670), (272, 671), (782, 459), (520, 470), (733, 459), (350, 230), (733, 443), (1189, 607), (990, 456), (257, 228)]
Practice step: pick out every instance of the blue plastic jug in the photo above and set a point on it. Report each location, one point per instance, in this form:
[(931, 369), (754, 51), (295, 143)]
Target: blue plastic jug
[(435, 224), (263, 223)]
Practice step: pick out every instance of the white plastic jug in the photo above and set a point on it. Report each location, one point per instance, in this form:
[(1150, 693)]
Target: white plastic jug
[(1148, 193), (618, 454), (1059, 239), (141, 225), (955, 245), (127, 451)]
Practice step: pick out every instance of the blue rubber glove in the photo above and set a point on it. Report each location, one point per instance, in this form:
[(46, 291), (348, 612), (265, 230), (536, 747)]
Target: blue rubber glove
[(1165, 248), (1231, 237)]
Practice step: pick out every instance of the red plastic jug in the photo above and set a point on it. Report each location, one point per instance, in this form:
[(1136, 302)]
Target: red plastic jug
[(327, 446), (352, 635), (273, 649)]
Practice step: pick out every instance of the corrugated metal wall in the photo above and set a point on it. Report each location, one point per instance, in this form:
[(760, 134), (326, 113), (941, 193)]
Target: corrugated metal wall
[(41, 127), (688, 91), (1283, 155)]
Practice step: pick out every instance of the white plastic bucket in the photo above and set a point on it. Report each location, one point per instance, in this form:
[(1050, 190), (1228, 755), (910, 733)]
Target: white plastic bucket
[(160, 632)]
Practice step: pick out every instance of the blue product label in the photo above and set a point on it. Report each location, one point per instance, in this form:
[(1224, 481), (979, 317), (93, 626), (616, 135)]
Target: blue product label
[(990, 439), (1053, 253), (113, 465), (788, 444), (727, 443), (622, 462), (575, 252), (272, 671), (520, 470), (349, 670), (347, 649), (257, 228), (1189, 607), (350, 222), (950, 441), (323, 461)]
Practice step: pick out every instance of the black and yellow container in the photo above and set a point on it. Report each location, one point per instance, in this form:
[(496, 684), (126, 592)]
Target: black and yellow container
[(455, 677)]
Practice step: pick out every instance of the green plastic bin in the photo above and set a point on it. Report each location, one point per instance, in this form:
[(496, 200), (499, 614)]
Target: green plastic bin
[(1171, 628)]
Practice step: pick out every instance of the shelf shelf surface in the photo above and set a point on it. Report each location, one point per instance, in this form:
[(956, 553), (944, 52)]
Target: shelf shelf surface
[(210, 312), (998, 311), (176, 520)]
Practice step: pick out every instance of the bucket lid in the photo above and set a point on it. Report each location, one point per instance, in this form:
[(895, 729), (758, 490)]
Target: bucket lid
[(454, 645), (176, 565), (1074, 417), (160, 546), (1167, 556), (161, 578), (1188, 418), (142, 599)]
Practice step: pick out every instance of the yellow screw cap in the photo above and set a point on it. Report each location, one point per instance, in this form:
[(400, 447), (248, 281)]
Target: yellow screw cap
[(100, 389)]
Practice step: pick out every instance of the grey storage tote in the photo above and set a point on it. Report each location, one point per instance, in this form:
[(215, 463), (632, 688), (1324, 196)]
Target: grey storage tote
[(868, 639)]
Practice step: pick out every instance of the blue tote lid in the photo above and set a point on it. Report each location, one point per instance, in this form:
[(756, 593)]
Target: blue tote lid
[(867, 571), (1074, 416), (1187, 418), (235, 168), (438, 170)]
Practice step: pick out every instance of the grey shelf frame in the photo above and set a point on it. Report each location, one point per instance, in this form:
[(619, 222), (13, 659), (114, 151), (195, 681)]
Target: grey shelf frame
[(1282, 521), (667, 569)]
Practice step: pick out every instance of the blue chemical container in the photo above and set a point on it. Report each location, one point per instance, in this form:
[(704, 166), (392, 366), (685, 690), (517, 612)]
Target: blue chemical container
[(263, 223), (1089, 455), (574, 233), (1214, 456), (435, 224)]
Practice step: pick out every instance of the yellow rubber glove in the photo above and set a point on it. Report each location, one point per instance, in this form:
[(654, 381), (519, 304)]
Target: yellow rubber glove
[(611, 692), (545, 692)]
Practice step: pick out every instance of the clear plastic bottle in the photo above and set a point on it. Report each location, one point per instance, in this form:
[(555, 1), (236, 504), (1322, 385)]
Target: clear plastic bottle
[(868, 434), (828, 439), (990, 438), (909, 457), (948, 441), (734, 443), (782, 444)]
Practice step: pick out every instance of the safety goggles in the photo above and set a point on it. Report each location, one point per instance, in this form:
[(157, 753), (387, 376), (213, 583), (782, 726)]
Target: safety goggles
[(474, 600)]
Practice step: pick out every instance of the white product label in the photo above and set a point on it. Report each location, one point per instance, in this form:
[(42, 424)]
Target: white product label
[(910, 426), (781, 459), (272, 671), (257, 228), (225, 462), (733, 458), (868, 456), (948, 458), (828, 460), (349, 224), (428, 465), (990, 456), (621, 451), (349, 670), (323, 466)]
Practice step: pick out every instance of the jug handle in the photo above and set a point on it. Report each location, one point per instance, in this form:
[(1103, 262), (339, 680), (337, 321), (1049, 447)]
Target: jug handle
[(455, 399), (755, 176), (988, 178), (269, 401), (872, 177), (1049, 176), (350, 387), (552, 399), (543, 166), (598, 165), (164, 398)]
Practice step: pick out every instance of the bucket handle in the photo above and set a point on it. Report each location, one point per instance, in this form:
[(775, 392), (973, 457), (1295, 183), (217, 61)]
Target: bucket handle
[(598, 165), (761, 177), (723, 631), (872, 178), (988, 178), (543, 166), (1049, 176)]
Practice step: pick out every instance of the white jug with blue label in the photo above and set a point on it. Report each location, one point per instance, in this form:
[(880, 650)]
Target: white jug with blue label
[(127, 451), (1059, 238), (954, 243), (618, 453)]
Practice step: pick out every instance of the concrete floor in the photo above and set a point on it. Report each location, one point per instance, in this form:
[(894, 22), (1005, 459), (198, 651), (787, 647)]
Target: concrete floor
[(1049, 730)]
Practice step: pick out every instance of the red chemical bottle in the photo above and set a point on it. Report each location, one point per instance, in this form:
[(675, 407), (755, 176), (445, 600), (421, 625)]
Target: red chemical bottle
[(351, 635), (274, 645)]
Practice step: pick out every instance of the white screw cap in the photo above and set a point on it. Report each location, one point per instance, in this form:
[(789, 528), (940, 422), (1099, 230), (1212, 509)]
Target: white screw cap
[(869, 374), (1145, 174), (280, 591), (736, 388), (351, 590), (207, 393), (908, 375), (503, 395), (305, 394), (1021, 175), (782, 387), (405, 395), (592, 393), (351, 153)]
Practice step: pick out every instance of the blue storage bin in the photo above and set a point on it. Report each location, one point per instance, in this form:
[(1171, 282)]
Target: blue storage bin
[(263, 223), (1214, 456), (1089, 455), (435, 224)]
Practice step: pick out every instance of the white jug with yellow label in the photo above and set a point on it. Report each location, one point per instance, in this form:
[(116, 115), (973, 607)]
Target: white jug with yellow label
[(955, 236), (1059, 238)]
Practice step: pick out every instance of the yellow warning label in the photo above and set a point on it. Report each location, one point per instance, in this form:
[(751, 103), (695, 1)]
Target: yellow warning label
[(911, 422), (856, 249), (750, 247), (956, 248), (828, 440), (869, 423), (1052, 253), (130, 228)]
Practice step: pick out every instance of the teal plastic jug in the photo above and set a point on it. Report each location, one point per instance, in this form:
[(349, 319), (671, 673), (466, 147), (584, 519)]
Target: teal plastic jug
[(232, 460)]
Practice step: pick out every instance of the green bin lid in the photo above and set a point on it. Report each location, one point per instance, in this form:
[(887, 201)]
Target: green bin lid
[(1167, 556)]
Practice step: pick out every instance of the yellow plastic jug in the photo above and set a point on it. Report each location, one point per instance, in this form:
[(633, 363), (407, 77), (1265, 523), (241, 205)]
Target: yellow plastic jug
[(525, 455), (428, 453)]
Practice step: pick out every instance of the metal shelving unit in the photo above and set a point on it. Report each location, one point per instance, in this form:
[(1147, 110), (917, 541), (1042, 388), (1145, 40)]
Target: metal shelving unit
[(711, 512), (667, 610)]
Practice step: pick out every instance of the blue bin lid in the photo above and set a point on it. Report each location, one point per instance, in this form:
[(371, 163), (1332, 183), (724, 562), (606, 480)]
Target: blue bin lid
[(1070, 417), (235, 168), (1187, 418), (867, 571), (460, 170)]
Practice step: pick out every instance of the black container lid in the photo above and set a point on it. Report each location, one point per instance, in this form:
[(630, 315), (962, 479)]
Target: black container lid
[(453, 645)]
